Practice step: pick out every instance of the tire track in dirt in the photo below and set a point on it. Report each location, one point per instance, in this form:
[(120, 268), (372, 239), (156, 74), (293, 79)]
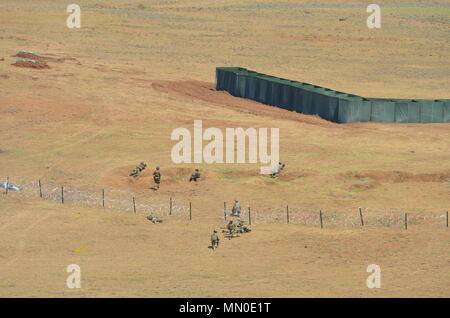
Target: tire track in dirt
[(11, 221), (21, 243), (59, 146), (82, 140)]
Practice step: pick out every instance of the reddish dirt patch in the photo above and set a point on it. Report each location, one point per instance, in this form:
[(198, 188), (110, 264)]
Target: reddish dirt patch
[(292, 175), (31, 56), (400, 176), (42, 58), (284, 176), (242, 174), (29, 64), (361, 186)]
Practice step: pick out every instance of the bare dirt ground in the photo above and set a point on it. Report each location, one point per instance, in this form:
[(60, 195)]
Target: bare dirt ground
[(117, 87)]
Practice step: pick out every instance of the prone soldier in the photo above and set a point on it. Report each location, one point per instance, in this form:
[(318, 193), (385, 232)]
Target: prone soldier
[(153, 219), (139, 168)]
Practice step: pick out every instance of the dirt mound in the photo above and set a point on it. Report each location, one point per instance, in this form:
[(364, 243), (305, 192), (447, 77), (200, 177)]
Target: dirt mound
[(241, 174), (30, 56), (31, 64), (284, 176), (399, 176), (119, 178), (361, 187), (292, 175)]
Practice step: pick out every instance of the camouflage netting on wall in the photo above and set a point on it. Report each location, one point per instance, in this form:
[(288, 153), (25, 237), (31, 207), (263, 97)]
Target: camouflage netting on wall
[(332, 105)]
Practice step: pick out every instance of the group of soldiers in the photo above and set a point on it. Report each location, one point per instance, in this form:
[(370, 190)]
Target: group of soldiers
[(194, 176), (157, 174), (157, 177), (234, 226)]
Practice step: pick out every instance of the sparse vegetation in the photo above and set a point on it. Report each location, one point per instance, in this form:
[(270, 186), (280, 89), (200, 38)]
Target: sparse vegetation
[(140, 74)]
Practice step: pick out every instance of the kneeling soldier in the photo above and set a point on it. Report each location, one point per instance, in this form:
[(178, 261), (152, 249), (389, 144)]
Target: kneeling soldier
[(195, 175)]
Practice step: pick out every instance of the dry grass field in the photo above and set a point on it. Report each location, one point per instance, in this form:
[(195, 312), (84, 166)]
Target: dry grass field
[(134, 71), (123, 255)]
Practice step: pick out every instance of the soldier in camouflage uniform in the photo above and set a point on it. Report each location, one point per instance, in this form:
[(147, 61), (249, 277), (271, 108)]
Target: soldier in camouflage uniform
[(214, 240), (278, 170), (153, 219), (157, 177), (236, 210), (139, 168), (236, 226), (142, 166), (195, 175), (230, 228), (241, 228)]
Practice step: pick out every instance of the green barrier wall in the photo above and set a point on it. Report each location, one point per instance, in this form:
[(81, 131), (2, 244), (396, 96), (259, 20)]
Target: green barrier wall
[(332, 105)]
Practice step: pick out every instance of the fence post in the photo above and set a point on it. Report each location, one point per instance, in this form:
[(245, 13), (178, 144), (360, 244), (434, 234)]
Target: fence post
[(170, 206), (361, 216), (249, 217), (321, 221), (103, 197), (447, 218), (190, 211), (134, 205), (6, 185), (287, 213), (225, 211), (40, 188), (406, 221), (62, 195)]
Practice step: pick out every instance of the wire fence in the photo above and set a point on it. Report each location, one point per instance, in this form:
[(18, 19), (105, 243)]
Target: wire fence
[(117, 200), (163, 206), (355, 217)]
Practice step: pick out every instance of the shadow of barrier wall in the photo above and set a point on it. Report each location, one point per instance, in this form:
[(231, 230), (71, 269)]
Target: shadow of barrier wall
[(335, 106)]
